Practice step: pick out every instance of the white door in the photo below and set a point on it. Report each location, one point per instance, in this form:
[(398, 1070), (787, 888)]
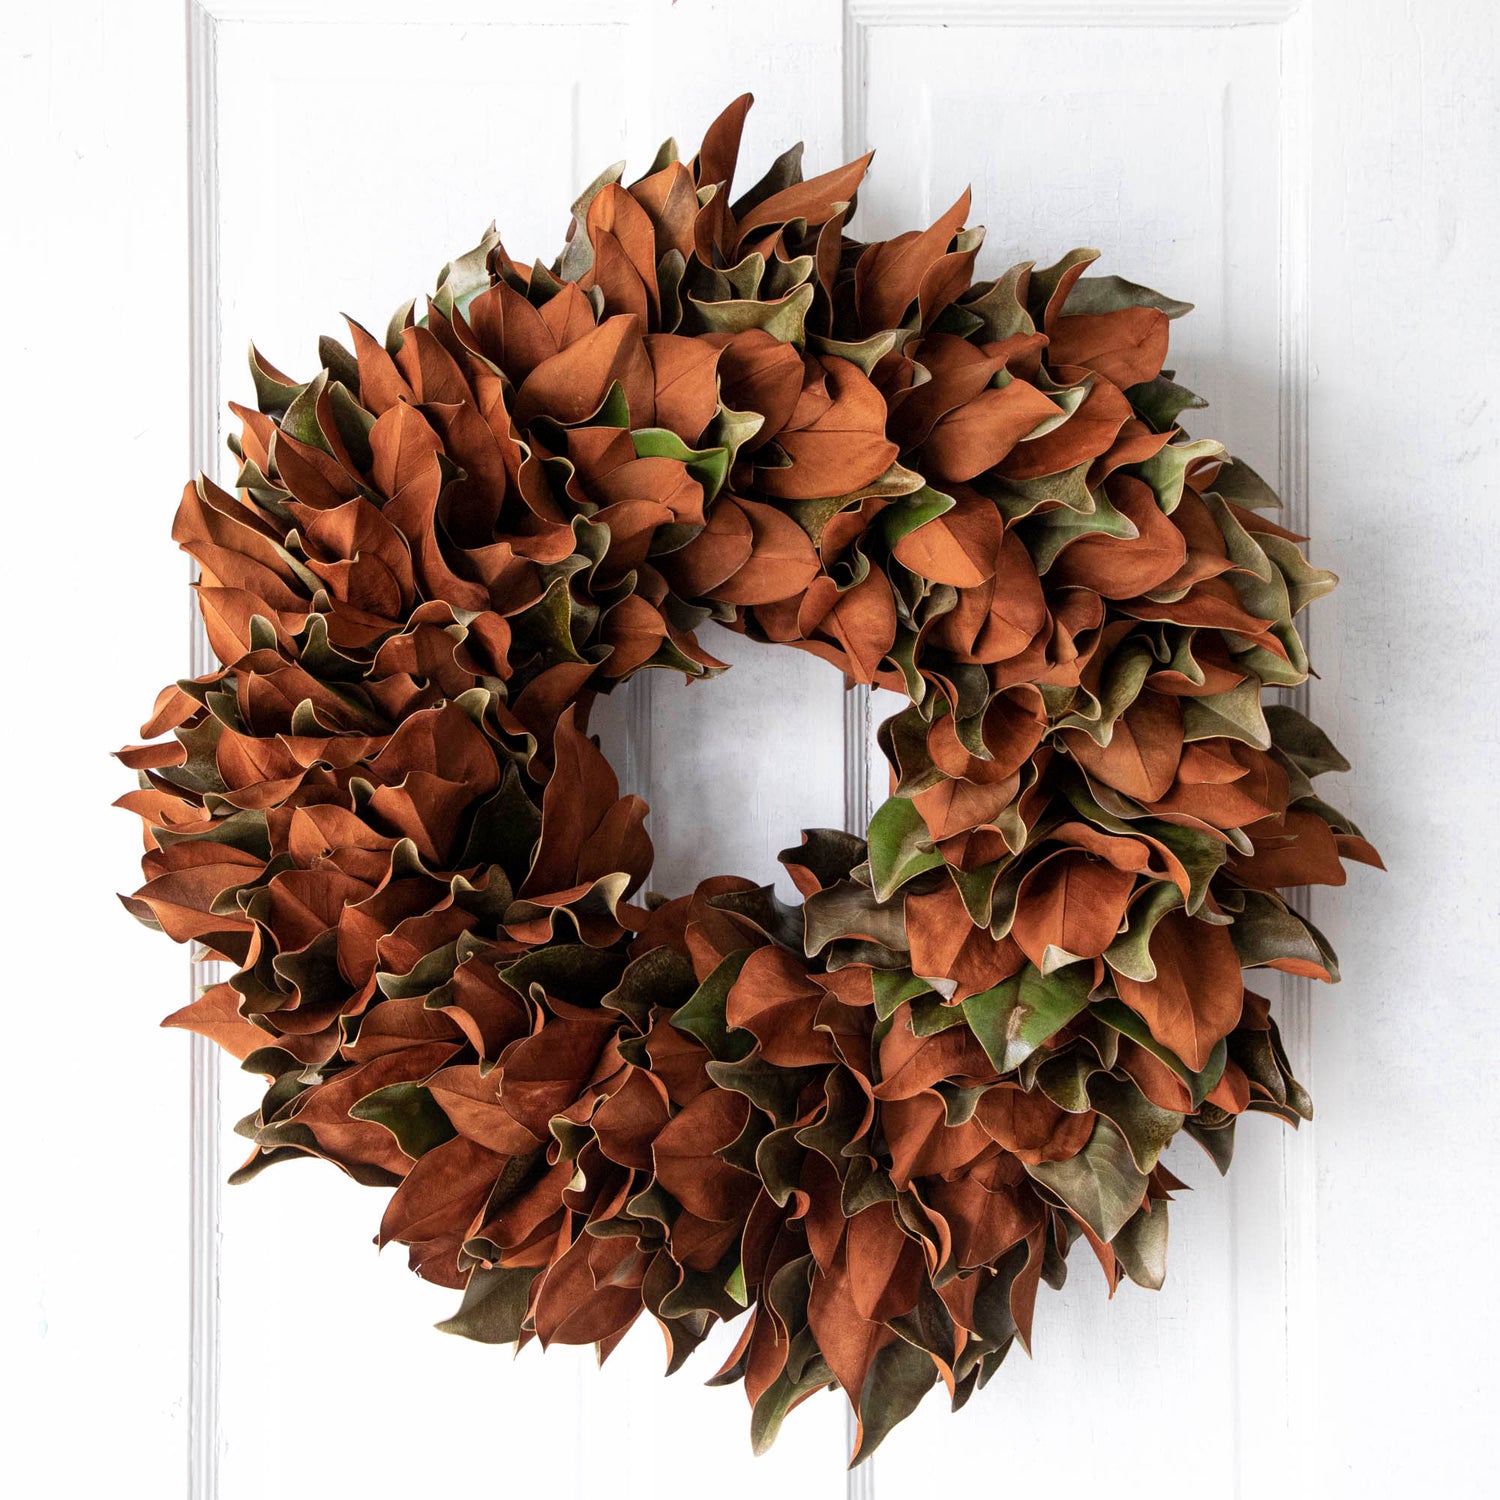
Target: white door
[(1319, 178)]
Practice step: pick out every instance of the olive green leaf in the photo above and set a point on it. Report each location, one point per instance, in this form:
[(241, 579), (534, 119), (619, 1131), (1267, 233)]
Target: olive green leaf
[(1141, 1246), (1105, 294), (1101, 1184), (1238, 482), (1302, 742), (709, 466), (1044, 283), (703, 1015), (659, 977), (850, 910), (573, 972), (1146, 1128), (1047, 532), (892, 986), (493, 1310), (1217, 1141), (1124, 1020), (900, 846), (410, 1113), (866, 353), (915, 509), (999, 305), (1021, 1013), (1130, 953), (1268, 931), (783, 319), (1162, 401), (1166, 471), (1236, 714), (899, 1376)]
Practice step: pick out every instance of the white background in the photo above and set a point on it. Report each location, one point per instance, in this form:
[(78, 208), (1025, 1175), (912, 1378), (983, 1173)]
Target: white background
[(1320, 178)]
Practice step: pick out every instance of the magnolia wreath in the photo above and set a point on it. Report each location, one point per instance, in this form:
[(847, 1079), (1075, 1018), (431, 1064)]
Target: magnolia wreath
[(871, 1123)]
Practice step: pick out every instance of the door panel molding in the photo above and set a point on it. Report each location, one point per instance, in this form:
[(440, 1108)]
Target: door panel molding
[(204, 1166), (1286, 1351), (1066, 13)]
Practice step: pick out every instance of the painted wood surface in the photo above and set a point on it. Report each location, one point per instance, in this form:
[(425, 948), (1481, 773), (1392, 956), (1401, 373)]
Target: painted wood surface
[(1319, 178)]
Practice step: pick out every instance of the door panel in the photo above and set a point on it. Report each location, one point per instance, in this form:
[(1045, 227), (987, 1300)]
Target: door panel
[(1157, 137), (353, 159)]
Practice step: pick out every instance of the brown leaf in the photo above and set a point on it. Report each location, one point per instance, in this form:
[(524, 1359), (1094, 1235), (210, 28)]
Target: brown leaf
[(1196, 997), (1126, 346)]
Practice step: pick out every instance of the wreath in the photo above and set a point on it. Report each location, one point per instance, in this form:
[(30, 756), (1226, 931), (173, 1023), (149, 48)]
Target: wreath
[(872, 1122)]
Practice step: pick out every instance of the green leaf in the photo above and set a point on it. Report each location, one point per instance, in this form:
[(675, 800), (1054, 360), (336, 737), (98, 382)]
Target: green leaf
[(731, 429), (1267, 930), (1067, 399), (999, 306), (670, 270), (931, 1014), (900, 846), (1046, 533), (1304, 583), (709, 466), (1162, 401), (704, 1014), (892, 986), (1045, 283), (850, 910), (573, 972), (461, 280), (1200, 855), (578, 255), (1302, 743), (783, 319), (829, 854), (1101, 1184), (779, 1397), (547, 626), (867, 353), (273, 392), (899, 1376), (1141, 1246), (1217, 1141), (1238, 482), (1147, 1129), (769, 1087), (763, 908), (659, 977), (1236, 715), (1130, 953), (505, 829), (1166, 471), (1064, 1079), (1105, 294), (813, 516), (1019, 498), (1021, 1013), (913, 510), (778, 1163), (410, 1113), (735, 1285), (494, 1305), (1124, 675), (1119, 1017), (784, 172)]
